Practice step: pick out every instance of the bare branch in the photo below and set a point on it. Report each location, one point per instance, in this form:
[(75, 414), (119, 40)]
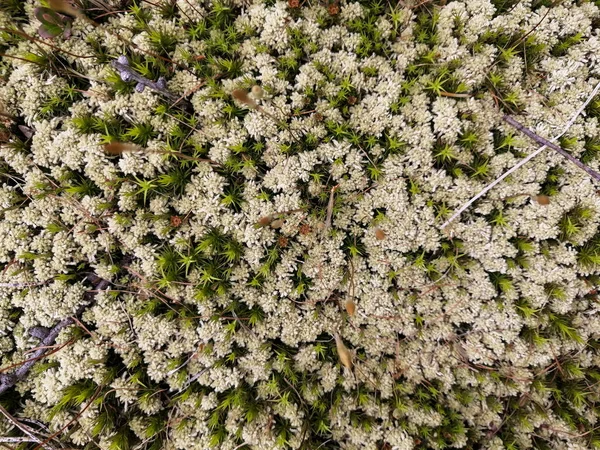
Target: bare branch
[(522, 162), (25, 429), (9, 380), (547, 143)]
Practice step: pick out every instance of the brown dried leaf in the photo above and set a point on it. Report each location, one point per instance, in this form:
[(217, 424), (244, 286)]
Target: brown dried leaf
[(380, 234), (265, 221), (542, 199), (343, 352), (241, 95), (350, 307), (117, 148)]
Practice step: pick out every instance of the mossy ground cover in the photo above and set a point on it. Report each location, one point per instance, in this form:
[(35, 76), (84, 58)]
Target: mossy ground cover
[(262, 186)]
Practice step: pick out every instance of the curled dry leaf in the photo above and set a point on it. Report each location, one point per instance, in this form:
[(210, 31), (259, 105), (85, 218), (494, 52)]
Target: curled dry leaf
[(350, 307), (343, 352)]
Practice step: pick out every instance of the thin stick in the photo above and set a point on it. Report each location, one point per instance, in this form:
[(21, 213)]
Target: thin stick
[(10, 380), (547, 143), (18, 440), (25, 430), (522, 162), (79, 414)]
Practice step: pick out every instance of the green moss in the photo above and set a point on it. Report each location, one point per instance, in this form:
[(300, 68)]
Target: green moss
[(573, 221)]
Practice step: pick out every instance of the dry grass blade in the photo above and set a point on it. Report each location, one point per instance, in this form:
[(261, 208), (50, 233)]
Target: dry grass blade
[(25, 429)]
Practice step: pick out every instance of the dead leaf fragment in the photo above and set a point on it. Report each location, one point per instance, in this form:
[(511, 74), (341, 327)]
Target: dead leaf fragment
[(278, 223), (257, 91), (380, 234), (350, 307), (116, 148), (241, 95), (265, 221), (343, 352)]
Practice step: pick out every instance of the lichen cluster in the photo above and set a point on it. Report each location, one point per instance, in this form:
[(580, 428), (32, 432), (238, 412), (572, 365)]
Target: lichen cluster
[(278, 273)]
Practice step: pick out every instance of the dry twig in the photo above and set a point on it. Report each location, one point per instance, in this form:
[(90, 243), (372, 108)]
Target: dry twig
[(9, 380), (547, 143), (522, 162)]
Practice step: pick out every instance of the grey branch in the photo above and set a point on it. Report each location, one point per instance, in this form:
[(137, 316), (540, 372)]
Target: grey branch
[(553, 146), (25, 429), (9, 380), (39, 332), (18, 440), (128, 74)]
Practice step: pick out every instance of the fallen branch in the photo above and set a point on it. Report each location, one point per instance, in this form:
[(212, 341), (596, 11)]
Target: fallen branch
[(547, 143), (520, 163), (127, 74), (17, 440), (25, 429), (9, 380)]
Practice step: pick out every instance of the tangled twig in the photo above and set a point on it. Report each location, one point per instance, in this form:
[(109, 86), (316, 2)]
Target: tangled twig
[(49, 336), (127, 74), (547, 143), (522, 162)]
